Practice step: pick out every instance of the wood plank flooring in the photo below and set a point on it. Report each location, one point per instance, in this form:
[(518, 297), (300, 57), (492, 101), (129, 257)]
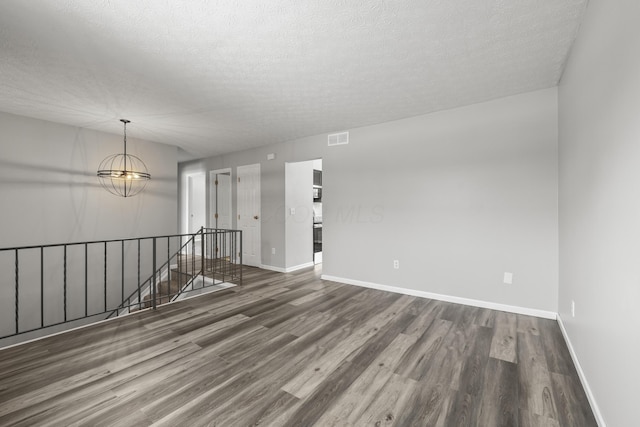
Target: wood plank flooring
[(294, 350)]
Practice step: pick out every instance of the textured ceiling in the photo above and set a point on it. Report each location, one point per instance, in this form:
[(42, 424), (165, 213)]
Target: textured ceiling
[(225, 75)]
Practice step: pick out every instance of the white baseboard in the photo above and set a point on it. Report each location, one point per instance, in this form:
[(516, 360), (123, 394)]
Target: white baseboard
[(288, 269), (581, 375), (299, 267), (447, 298), (272, 268)]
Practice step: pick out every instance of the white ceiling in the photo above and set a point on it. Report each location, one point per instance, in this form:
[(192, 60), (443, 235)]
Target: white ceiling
[(219, 76)]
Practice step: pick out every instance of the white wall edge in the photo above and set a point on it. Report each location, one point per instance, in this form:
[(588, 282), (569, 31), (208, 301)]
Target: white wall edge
[(582, 376), (447, 298), (289, 269)]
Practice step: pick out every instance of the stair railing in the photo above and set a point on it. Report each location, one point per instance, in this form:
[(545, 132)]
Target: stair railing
[(59, 286), (219, 261), (149, 286)]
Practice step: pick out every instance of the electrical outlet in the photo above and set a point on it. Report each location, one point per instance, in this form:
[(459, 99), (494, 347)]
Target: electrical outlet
[(273, 251), (292, 211), (573, 308), (508, 278), (396, 264)]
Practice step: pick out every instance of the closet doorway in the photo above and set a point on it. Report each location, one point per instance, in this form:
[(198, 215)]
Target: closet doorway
[(220, 199)]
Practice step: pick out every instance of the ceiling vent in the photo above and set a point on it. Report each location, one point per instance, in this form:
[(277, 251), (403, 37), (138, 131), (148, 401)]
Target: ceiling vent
[(338, 139)]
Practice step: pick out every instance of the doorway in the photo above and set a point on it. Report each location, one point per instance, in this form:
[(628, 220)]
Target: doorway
[(220, 199), (196, 212), (249, 215), (196, 205), (317, 211), (220, 216), (303, 214)]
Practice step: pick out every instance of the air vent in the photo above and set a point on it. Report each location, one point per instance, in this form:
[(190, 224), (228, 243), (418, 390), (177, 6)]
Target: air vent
[(338, 138)]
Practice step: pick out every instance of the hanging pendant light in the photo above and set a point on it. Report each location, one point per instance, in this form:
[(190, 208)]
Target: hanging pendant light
[(123, 174)]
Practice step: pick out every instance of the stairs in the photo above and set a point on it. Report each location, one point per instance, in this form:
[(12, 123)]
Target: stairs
[(187, 269)]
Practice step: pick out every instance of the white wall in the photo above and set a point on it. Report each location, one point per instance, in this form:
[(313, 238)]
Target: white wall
[(459, 197), (599, 100), (299, 225)]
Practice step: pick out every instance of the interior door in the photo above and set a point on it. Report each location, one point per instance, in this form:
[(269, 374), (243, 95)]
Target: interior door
[(248, 207)]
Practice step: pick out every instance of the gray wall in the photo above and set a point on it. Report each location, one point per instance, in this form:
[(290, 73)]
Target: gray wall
[(299, 226), (599, 100), (51, 195), (458, 197), (272, 187)]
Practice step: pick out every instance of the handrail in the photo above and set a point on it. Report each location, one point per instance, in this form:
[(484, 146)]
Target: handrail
[(79, 281), (151, 278), (91, 242)]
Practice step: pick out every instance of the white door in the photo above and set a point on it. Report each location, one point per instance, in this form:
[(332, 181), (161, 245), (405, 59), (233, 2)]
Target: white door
[(249, 213), (196, 206)]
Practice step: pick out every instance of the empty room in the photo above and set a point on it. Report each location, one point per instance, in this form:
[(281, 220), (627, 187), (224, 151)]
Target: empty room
[(319, 213)]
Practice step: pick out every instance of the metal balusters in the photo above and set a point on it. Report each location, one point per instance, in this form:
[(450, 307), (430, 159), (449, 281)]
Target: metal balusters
[(181, 257), (202, 252), (139, 297), (168, 265), (213, 257), (225, 250), (64, 283), (153, 282), (214, 252), (86, 279), (122, 265), (193, 255), (105, 276), (17, 293), (212, 244), (41, 287)]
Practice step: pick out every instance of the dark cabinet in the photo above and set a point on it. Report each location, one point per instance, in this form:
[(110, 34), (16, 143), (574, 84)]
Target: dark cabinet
[(317, 238), (317, 211)]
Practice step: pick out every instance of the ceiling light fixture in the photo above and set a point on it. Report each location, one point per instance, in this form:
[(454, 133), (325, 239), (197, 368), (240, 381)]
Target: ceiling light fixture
[(123, 174)]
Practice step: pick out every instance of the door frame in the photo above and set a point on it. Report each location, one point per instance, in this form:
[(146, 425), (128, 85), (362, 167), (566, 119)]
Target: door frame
[(239, 169), (186, 223), (212, 196)]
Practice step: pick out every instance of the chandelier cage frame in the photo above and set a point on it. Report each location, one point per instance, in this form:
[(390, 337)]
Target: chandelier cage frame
[(123, 174)]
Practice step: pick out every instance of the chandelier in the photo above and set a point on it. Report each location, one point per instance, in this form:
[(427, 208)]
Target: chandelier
[(123, 174)]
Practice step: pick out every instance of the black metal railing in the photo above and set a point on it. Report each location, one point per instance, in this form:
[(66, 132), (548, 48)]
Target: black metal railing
[(51, 285), (210, 257)]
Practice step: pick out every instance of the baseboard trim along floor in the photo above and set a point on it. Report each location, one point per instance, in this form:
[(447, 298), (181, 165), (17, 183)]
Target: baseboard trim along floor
[(446, 298), (493, 306), (288, 269), (581, 375), (295, 350)]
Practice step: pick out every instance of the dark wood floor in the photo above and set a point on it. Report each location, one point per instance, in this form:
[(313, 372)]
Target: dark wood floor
[(293, 350)]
